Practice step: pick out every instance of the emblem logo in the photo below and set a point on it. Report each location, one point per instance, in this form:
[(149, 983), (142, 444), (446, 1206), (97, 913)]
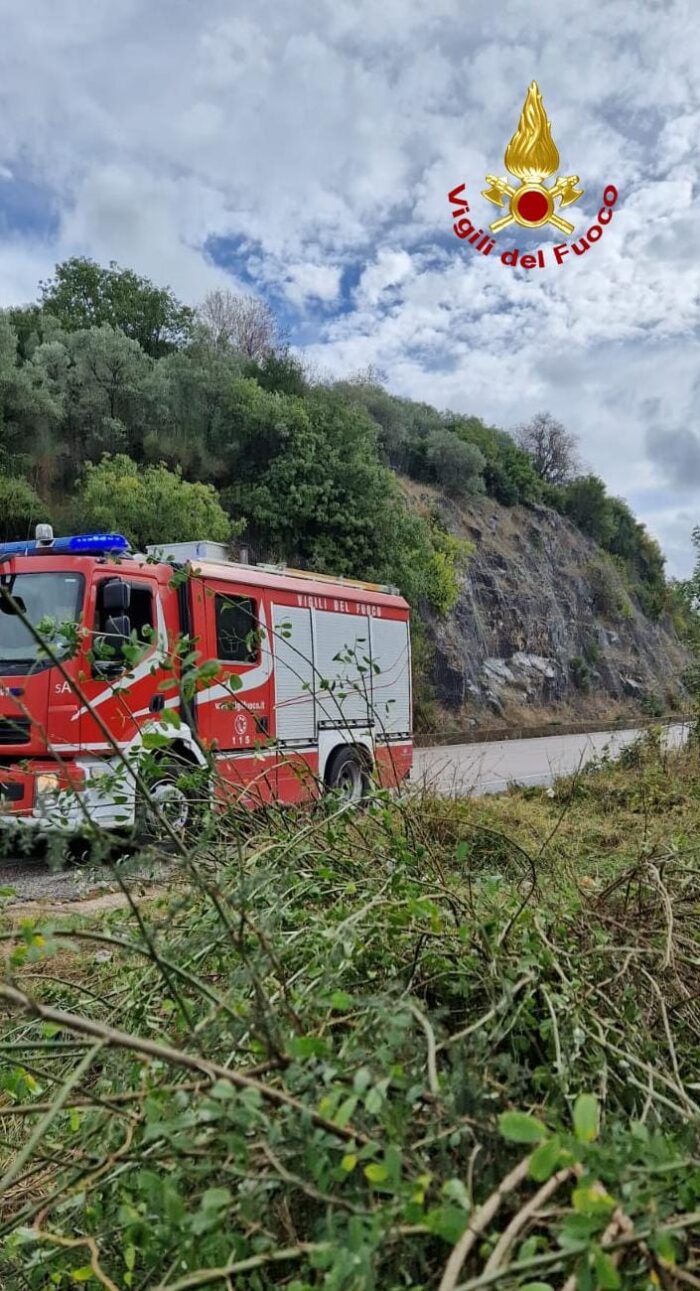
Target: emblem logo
[(532, 157)]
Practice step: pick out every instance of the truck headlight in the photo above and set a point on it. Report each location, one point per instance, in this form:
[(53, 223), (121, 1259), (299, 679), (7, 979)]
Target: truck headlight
[(46, 784)]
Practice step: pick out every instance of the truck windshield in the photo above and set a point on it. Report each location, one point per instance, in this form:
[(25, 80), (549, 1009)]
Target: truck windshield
[(50, 602)]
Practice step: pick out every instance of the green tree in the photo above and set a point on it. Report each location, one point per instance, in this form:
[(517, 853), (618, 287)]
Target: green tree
[(148, 505), (29, 413), (457, 466), (83, 294), (391, 416), (97, 376), (279, 372), (20, 509), (187, 396), (509, 473), (586, 503)]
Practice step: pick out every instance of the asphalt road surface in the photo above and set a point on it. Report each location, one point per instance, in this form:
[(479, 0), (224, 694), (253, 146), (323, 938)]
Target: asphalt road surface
[(462, 769), (456, 770)]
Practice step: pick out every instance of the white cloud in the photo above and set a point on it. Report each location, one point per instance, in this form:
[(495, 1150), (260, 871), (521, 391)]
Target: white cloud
[(304, 282), (390, 269)]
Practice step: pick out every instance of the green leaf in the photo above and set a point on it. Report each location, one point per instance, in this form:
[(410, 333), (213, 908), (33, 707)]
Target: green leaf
[(518, 1127), (376, 1173), (456, 1190), (374, 1100), (586, 1118), (447, 1221), (606, 1273), (592, 1200), (345, 1111), (537, 1286), (215, 1198), (83, 1274), (545, 1159), (349, 1162), (576, 1232), (340, 1000), (154, 740), (665, 1247), (363, 1080), (171, 717), (130, 1257)]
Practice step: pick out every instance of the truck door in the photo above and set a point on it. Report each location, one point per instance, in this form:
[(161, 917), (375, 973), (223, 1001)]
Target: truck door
[(121, 693), (233, 711)]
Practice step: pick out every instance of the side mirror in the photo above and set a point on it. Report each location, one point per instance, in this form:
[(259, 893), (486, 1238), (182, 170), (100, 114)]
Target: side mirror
[(117, 632), (116, 597)]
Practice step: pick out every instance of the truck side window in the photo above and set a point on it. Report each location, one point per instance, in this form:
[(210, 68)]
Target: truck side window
[(140, 610), (236, 629)]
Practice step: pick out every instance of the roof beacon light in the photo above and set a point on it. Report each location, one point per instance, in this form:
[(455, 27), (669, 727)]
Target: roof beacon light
[(44, 535), (98, 542)]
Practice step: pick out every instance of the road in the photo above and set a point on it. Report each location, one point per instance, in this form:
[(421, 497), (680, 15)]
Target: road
[(462, 769), (456, 770)]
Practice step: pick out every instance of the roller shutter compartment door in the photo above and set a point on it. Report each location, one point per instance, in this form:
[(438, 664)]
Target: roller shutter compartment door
[(391, 676), (294, 675), (342, 658)]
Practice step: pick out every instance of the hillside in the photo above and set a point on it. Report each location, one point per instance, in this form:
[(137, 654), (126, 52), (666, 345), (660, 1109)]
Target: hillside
[(544, 626)]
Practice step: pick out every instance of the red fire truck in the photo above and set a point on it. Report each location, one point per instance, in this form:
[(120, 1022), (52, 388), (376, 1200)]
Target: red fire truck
[(308, 683)]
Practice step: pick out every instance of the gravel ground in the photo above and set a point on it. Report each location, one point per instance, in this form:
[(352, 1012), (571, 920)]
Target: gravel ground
[(35, 879)]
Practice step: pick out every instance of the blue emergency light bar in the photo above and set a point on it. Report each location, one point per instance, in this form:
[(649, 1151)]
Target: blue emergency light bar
[(87, 544)]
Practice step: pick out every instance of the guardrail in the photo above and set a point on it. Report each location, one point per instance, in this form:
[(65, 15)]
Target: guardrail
[(492, 734)]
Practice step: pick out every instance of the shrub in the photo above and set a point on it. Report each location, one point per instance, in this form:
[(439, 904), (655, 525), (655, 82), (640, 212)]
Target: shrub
[(580, 673), (150, 505), (456, 466), (586, 503), (20, 508), (607, 590)]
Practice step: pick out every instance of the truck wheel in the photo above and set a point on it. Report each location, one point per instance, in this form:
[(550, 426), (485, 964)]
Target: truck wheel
[(348, 775), (175, 803)]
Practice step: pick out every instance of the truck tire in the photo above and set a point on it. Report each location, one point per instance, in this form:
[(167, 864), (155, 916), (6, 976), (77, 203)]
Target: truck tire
[(175, 802), (347, 775)]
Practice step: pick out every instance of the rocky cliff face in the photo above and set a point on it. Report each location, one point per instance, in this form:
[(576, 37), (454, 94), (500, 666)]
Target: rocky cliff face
[(544, 626)]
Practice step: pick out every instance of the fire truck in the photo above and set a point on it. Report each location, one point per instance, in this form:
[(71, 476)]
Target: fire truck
[(303, 682)]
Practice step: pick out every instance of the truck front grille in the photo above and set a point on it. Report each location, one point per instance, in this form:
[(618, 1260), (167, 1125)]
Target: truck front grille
[(14, 730)]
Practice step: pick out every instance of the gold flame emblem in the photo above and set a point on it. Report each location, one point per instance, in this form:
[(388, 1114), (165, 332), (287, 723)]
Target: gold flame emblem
[(532, 157)]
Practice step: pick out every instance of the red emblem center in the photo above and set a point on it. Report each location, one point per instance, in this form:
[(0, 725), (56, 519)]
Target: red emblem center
[(532, 206)]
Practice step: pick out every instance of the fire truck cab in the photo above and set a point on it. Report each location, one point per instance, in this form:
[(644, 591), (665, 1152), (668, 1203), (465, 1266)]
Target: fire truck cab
[(303, 681)]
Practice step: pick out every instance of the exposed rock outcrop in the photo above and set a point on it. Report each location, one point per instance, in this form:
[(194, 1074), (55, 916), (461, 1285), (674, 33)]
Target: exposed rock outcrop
[(544, 621)]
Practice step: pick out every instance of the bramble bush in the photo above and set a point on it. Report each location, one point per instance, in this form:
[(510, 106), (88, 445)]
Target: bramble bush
[(437, 1044)]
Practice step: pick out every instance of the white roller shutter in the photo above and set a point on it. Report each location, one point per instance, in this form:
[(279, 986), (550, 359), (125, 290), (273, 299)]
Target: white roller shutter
[(391, 676), (294, 673), (341, 655)]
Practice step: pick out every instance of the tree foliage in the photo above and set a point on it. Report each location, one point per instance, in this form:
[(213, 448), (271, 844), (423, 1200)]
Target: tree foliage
[(20, 509), (148, 505), (83, 294)]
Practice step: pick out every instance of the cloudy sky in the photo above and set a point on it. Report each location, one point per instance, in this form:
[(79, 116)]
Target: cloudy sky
[(304, 151)]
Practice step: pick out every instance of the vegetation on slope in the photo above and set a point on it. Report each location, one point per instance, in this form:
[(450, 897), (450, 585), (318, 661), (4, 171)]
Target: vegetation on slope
[(439, 1044), (110, 370)]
